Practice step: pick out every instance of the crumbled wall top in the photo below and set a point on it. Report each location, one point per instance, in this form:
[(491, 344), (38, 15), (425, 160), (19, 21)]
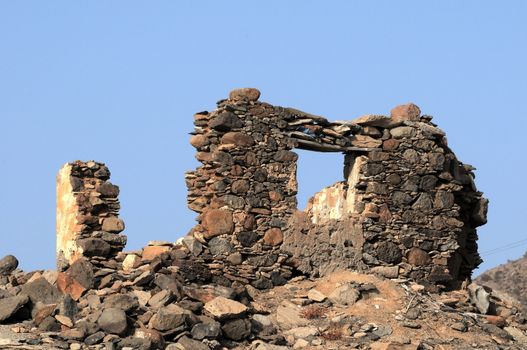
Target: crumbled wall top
[(406, 207)]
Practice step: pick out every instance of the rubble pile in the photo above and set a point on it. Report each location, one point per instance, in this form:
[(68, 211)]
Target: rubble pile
[(152, 308)]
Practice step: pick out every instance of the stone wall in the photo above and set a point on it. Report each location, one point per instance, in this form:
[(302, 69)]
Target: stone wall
[(406, 208), (411, 208), (88, 225)]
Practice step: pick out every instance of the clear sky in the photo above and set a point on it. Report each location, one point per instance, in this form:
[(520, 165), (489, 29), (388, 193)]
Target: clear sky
[(119, 81)]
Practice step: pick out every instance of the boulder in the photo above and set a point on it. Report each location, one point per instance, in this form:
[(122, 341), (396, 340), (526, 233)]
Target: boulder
[(169, 317), (41, 291), (237, 330), (8, 264), (223, 308), (226, 121), (344, 294), (150, 252), (404, 112), (249, 94), (94, 247), (206, 330), (124, 302), (131, 262), (479, 297), (113, 224), (9, 306), (113, 320)]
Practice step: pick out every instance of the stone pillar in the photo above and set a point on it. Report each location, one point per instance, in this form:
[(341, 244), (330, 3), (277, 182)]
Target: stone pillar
[(87, 216)]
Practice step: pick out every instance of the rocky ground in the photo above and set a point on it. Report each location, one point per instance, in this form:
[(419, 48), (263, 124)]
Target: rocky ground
[(508, 278), (143, 308)]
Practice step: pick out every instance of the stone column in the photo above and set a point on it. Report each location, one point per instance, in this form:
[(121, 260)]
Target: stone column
[(87, 216)]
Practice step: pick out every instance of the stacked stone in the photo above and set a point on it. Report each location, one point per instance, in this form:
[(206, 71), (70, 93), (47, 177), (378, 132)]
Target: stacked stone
[(316, 133), (88, 225), (245, 190), (413, 210), (408, 207)]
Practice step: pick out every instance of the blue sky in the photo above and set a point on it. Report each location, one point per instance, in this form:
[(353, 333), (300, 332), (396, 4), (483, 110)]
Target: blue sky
[(119, 81)]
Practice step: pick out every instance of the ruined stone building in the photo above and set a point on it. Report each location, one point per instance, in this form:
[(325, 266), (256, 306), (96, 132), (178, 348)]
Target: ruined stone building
[(406, 206)]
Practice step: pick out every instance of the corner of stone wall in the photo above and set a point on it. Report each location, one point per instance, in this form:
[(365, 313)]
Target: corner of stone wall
[(88, 223)]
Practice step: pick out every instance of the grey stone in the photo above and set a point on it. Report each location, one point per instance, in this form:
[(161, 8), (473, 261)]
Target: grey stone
[(68, 307), (124, 302), (160, 299), (113, 320), (402, 132), (208, 330), (133, 343), (169, 317), (9, 306), (479, 297), (479, 214), (193, 245), (389, 252), (237, 329), (49, 324), (41, 291), (401, 198), (8, 264), (443, 200), (344, 294), (94, 247), (82, 271), (95, 338), (423, 203), (220, 245), (185, 343), (108, 189), (226, 121), (428, 182)]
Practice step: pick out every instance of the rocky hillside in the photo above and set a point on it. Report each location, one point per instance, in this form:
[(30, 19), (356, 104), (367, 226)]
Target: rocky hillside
[(508, 278), (144, 307)]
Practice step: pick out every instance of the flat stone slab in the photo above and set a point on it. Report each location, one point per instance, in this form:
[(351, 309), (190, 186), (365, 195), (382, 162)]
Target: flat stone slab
[(9, 306)]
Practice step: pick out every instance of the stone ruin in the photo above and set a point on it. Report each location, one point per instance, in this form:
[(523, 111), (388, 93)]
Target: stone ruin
[(88, 225), (406, 207)]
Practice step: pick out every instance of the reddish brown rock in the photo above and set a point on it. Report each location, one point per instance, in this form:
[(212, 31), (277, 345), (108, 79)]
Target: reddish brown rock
[(150, 252), (198, 141), (390, 145), (249, 94), (496, 320), (239, 139), (405, 112), (418, 257), (365, 141), (68, 285), (275, 196), (273, 236), (113, 224), (240, 186), (217, 222)]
